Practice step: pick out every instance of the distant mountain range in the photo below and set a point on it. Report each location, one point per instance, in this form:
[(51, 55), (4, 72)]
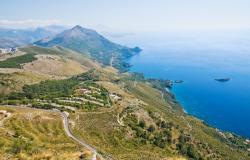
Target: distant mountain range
[(87, 41), (20, 37)]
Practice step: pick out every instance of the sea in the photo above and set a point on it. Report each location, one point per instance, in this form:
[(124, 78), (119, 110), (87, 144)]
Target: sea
[(198, 58)]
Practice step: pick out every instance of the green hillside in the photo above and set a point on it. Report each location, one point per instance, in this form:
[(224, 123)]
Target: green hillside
[(142, 123), (89, 41), (35, 134), (16, 62)]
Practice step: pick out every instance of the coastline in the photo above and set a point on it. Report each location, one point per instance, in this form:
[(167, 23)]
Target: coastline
[(219, 130), (174, 100)]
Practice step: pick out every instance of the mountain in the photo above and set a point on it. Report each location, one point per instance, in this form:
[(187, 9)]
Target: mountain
[(95, 45), (19, 37)]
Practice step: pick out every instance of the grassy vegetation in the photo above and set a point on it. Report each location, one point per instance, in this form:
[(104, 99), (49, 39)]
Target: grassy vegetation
[(79, 92), (60, 51), (16, 62), (40, 50), (35, 134), (102, 131), (154, 130), (13, 82)]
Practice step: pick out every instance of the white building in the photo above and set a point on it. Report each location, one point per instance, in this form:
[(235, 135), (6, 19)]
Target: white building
[(8, 50)]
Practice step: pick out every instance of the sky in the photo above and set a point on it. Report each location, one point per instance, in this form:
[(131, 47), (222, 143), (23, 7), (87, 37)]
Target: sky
[(128, 15)]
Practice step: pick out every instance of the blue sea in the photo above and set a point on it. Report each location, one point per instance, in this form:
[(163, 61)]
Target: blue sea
[(198, 58)]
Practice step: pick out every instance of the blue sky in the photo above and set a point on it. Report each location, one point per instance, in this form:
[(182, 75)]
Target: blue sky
[(128, 15)]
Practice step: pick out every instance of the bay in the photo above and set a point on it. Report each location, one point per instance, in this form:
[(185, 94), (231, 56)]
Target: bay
[(198, 58)]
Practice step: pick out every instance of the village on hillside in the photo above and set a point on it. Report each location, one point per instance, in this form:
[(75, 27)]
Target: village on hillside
[(8, 51)]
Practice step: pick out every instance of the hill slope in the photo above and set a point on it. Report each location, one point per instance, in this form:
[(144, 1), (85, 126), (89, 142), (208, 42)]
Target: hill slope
[(128, 118), (89, 41), (35, 134), (34, 64)]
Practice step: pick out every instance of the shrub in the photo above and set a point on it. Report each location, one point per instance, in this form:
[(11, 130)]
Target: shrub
[(142, 124), (20, 144), (151, 128)]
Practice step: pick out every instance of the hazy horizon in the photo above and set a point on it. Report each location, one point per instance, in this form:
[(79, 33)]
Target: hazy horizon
[(129, 16)]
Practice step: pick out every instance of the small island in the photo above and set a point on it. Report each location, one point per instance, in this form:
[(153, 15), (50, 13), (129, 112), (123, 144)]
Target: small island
[(222, 79), (178, 81)]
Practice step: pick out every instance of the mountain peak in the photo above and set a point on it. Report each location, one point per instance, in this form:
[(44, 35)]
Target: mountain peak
[(80, 31), (77, 27)]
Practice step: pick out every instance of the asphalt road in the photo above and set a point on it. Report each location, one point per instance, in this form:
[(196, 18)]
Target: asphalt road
[(69, 133)]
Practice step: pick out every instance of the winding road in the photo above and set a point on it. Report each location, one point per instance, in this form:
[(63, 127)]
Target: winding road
[(69, 134)]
